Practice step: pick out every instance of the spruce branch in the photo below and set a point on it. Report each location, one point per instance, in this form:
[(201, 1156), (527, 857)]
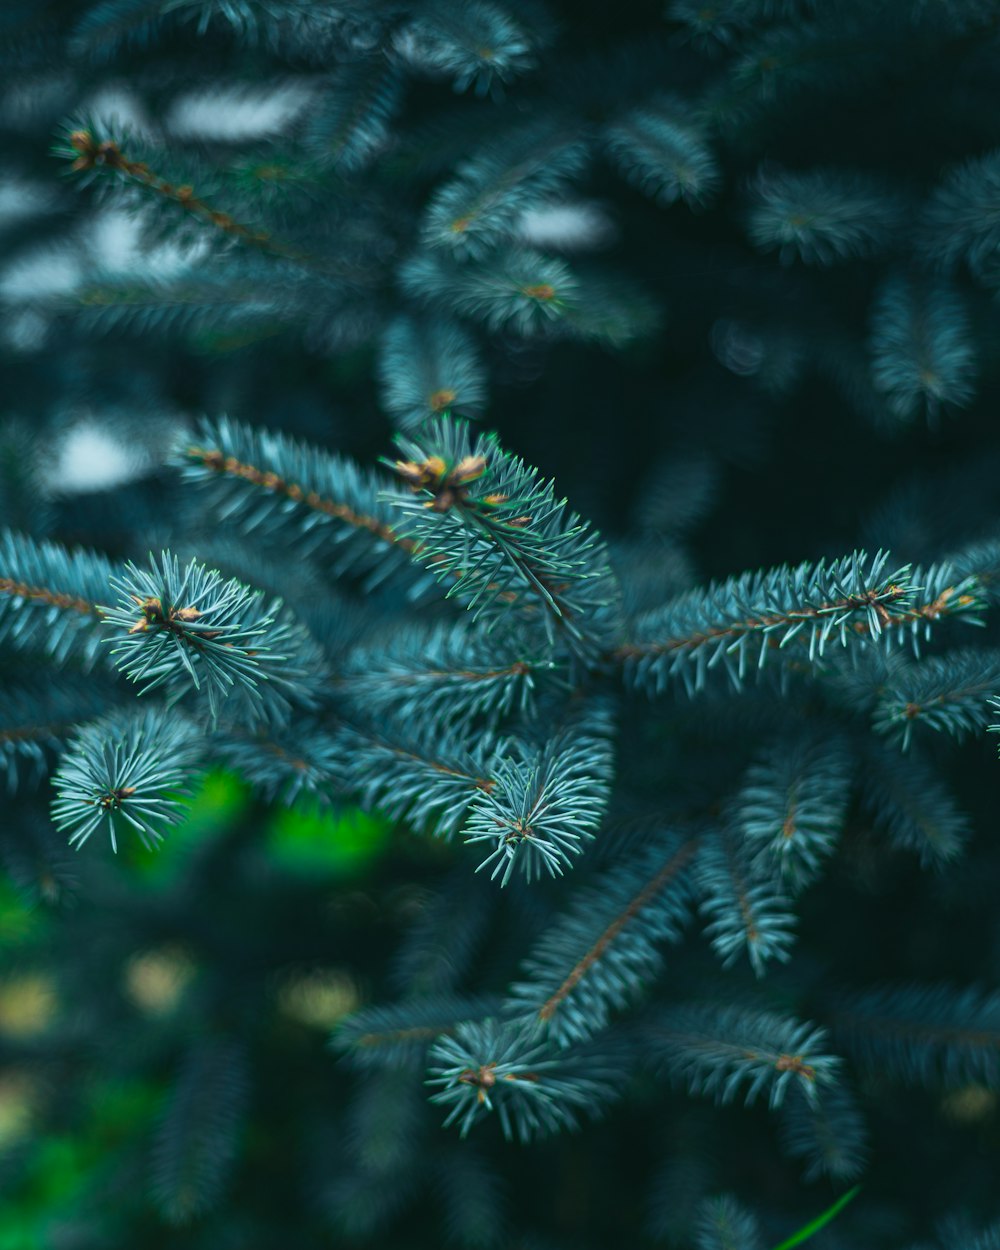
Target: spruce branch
[(923, 356), (92, 156), (599, 954), (179, 628), (721, 1051), (530, 294), (452, 675), (49, 598), (198, 1137), (479, 46), (126, 767), (925, 1035), (534, 1089), (543, 806), (791, 808), (906, 798), (661, 148), (743, 915), (427, 366), (315, 495), (480, 207), (430, 784), (850, 598), (946, 693), (284, 762), (821, 217), (399, 1035), (348, 126), (484, 520), (723, 1224), (830, 1136), (37, 718)]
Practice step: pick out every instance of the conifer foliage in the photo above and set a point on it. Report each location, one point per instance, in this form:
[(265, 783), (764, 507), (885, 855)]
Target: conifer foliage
[(493, 749)]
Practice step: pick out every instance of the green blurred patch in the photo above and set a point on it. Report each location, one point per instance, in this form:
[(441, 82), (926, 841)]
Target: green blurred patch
[(18, 922), (310, 838), (335, 842), (65, 1170), (219, 800)]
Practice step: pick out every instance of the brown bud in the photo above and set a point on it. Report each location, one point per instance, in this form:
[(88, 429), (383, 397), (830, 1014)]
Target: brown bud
[(467, 470)]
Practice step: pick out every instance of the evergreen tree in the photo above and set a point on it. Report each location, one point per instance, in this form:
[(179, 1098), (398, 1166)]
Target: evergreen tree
[(392, 854)]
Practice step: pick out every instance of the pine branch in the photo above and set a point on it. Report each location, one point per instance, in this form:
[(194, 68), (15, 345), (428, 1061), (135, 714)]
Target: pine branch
[(92, 156), (130, 767), (284, 762), (474, 1199), (933, 1035), (829, 1137), (722, 1224), (544, 804), (743, 915), (450, 676), (349, 124), (959, 219), (905, 797), (851, 598), (269, 484), (527, 293), (479, 45), (399, 1035), (430, 785), (980, 564), (427, 367), (480, 518), (661, 148), (479, 209), (821, 217), (791, 808), (534, 1089), (599, 954), (191, 627), (198, 1137), (946, 693), (722, 1051), (439, 947), (49, 599), (923, 355), (37, 718)]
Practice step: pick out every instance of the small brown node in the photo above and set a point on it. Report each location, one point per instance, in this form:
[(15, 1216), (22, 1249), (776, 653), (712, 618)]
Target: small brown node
[(483, 1078), (796, 1064), (542, 291), (116, 797), (439, 400)]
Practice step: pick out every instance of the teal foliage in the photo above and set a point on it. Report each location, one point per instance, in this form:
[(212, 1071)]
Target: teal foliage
[(936, 1035), (663, 149), (429, 365), (745, 916), (197, 1138), (724, 1052), (736, 624), (923, 356), (946, 694), (821, 217), (534, 1089), (723, 1224), (792, 806), (560, 841), (127, 768)]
